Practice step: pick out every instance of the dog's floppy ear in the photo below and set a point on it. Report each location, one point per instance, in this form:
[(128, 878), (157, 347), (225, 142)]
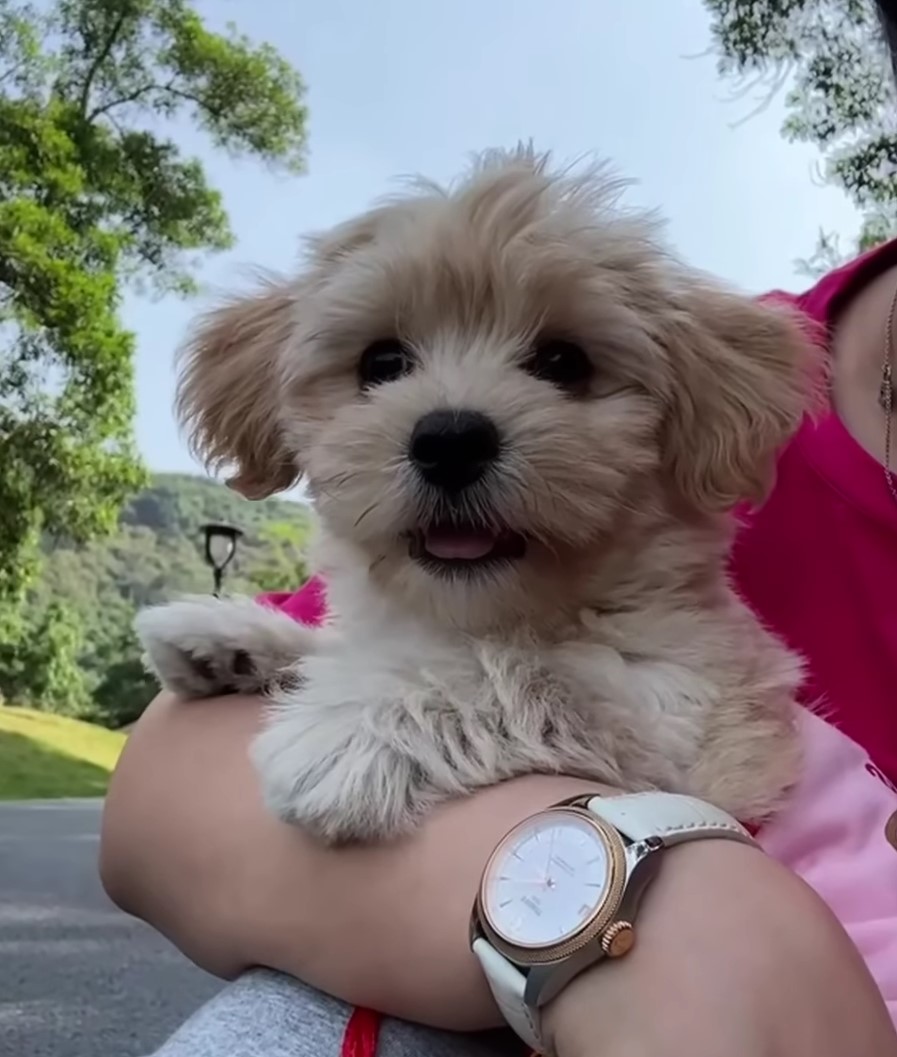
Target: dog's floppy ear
[(227, 389), (743, 378)]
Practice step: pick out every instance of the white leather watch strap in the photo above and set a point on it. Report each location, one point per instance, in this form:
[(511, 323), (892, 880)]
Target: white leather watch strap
[(638, 816), (507, 984), (671, 817)]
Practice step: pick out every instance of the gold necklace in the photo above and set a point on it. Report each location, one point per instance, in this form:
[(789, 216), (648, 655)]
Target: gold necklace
[(886, 392)]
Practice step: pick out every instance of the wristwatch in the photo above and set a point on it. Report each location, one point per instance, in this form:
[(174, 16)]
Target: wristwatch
[(561, 891)]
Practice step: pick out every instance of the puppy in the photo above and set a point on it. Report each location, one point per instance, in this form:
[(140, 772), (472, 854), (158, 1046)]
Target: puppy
[(524, 426)]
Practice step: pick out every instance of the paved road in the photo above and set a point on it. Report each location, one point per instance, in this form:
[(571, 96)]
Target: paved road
[(78, 978)]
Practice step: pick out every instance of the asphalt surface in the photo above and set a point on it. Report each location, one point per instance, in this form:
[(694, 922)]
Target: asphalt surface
[(77, 977)]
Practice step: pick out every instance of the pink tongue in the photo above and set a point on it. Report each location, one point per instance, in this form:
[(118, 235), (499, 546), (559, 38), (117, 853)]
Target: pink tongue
[(466, 546)]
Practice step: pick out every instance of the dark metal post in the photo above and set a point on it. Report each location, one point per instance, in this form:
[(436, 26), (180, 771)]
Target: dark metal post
[(228, 535)]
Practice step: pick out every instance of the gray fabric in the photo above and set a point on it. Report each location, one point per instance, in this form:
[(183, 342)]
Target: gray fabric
[(265, 1014)]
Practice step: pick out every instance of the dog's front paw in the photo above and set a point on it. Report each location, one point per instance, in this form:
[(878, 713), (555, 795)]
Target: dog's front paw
[(354, 790), (203, 646)]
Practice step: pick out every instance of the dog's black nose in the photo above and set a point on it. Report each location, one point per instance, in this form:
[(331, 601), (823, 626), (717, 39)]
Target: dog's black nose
[(452, 449)]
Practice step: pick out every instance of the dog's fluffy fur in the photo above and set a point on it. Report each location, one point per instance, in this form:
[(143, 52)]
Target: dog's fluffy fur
[(614, 648)]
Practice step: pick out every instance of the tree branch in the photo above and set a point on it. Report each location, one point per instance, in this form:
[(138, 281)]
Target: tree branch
[(779, 81), (98, 111), (191, 98), (12, 71), (102, 56), (169, 88), (7, 274)]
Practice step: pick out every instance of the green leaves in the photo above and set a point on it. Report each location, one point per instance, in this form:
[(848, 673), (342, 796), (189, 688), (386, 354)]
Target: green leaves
[(279, 563), (93, 196), (841, 94), (245, 96), (41, 666)]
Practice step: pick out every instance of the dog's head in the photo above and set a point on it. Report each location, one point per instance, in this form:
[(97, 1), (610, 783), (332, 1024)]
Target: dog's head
[(482, 384)]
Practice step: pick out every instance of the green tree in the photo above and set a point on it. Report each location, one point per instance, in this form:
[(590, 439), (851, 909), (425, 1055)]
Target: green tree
[(125, 687), (278, 562), (94, 196), (832, 57), (42, 669)]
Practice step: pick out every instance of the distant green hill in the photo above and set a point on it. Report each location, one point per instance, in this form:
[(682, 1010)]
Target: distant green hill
[(79, 654)]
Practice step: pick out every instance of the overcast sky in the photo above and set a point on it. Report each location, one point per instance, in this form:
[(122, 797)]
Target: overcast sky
[(402, 86)]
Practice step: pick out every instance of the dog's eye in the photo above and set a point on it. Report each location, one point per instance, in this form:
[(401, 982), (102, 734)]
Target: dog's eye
[(384, 361), (562, 363)]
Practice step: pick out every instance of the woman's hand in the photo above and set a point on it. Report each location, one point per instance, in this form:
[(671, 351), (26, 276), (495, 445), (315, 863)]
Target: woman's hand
[(733, 951)]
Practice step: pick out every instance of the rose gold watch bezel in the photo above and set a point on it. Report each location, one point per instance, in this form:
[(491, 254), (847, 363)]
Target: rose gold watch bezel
[(591, 929)]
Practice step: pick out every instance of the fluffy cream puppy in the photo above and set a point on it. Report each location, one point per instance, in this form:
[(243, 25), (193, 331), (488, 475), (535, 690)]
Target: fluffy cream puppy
[(524, 426)]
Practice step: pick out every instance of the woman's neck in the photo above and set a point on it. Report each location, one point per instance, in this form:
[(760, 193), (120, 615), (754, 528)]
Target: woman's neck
[(858, 350)]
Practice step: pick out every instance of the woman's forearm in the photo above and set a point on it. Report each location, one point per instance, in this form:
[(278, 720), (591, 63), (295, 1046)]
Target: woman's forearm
[(188, 847), (725, 934)]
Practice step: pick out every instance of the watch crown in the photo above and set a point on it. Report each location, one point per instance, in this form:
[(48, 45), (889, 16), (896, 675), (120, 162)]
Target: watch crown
[(618, 939)]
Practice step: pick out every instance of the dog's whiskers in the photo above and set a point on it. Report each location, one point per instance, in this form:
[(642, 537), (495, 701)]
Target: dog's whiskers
[(365, 513), (334, 481), (377, 561)]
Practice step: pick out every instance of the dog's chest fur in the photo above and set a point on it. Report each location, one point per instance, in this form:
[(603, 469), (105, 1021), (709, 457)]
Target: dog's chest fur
[(682, 700), (382, 714)]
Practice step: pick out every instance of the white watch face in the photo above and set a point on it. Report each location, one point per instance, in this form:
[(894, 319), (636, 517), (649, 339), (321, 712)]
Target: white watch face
[(547, 879)]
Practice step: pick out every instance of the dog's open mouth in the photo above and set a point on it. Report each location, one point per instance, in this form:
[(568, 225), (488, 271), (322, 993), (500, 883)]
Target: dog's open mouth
[(465, 547)]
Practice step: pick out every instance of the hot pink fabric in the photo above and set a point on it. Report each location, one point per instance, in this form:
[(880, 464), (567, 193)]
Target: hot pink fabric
[(308, 605), (818, 563)]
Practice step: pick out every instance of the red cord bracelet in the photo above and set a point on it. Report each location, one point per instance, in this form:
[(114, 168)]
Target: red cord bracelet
[(362, 1031)]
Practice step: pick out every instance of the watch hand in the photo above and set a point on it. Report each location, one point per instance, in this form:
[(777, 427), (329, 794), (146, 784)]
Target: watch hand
[(524, 880), (550, 854)]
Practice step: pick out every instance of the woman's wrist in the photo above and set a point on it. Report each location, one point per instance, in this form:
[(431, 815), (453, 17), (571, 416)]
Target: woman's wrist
[(734, 955), (403, 945)]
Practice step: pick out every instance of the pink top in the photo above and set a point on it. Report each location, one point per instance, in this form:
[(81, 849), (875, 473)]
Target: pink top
[(818, 563), (832, 834)]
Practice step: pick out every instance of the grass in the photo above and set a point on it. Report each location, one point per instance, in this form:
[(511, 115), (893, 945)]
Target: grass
[(43, 755)]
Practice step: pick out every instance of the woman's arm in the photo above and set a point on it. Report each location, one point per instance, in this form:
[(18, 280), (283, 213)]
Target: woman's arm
[(735, 957), (188, 846)]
